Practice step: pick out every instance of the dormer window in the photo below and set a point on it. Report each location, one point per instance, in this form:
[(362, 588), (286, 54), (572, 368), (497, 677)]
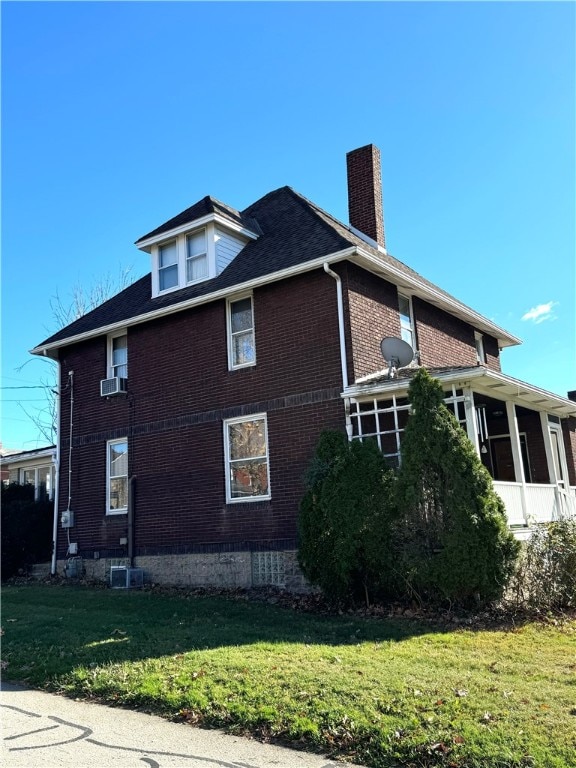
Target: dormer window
[(196, 245), (168, 266), (196, 257)]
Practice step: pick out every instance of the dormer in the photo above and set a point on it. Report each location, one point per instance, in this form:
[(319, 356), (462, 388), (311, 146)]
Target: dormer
[(196, 245)]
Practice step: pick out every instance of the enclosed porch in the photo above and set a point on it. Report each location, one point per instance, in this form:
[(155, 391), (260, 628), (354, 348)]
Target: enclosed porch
[(524, 436)]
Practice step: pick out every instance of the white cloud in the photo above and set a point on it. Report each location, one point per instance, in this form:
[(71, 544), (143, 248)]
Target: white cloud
[(541, 313)]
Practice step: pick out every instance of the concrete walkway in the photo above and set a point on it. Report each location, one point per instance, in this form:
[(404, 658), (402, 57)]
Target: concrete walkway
[(42, 730)]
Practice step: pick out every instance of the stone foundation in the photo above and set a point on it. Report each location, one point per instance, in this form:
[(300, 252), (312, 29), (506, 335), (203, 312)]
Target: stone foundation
[(230, 570)]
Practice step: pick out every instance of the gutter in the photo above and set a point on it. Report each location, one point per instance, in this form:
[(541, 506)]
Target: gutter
[(56, 476), (343, 358), (223, 293)]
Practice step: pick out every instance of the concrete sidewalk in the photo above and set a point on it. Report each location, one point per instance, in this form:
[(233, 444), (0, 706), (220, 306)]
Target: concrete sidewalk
[(42, 730)]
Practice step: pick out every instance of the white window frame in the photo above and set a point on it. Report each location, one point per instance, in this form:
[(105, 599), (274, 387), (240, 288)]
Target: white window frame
[(122, 510), (411, 329), (177, 264), (228, 463), (181, 241), (110, 354), (40, 472), (479, 344), (197, 256), (232, 366)]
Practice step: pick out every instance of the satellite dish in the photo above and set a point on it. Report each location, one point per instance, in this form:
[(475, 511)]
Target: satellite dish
[(396, 352)]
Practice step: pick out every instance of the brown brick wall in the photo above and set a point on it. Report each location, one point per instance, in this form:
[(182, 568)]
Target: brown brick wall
[(371, 304), (180, 391), (371, 309), (444, 340)]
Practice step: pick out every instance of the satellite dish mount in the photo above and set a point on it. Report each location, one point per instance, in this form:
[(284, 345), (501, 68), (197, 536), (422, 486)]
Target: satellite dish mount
[(397, 353)]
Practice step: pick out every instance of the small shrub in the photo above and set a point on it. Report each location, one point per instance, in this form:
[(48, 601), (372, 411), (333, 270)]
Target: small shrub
[(545, 575), (345, 520)]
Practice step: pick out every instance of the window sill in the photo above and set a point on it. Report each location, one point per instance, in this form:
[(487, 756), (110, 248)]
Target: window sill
[(116, 512)]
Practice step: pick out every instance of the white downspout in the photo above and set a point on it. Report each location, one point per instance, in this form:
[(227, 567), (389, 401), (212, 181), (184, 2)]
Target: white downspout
[(56, 474), (343, 359)]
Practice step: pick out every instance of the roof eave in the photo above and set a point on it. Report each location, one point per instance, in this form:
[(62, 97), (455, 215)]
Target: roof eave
[(50, 350), (492, 383), (146, 243), (437, 298)]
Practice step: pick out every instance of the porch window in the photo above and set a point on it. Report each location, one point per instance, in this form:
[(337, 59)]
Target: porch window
[(246, 458), (385, 420), (502, 460)]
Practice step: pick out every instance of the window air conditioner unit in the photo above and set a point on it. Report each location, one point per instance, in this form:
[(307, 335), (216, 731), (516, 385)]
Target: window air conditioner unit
[(114, 386), (124, 577)]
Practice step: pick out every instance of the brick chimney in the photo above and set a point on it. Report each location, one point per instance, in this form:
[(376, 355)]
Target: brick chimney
[(365, 192)]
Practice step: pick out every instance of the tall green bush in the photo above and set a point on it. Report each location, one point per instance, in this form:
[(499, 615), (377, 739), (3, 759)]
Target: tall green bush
[(345, 520), (26, 529), (452, 535)]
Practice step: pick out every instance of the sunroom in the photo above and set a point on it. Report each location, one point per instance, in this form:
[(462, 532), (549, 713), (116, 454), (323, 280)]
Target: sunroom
[(521, 433)]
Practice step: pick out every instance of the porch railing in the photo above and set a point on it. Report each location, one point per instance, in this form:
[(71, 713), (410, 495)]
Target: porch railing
[(536, 503)]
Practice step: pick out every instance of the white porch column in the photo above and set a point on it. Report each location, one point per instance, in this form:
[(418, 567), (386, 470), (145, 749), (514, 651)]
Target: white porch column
[(517, 455), (470, 412), (552, 473)]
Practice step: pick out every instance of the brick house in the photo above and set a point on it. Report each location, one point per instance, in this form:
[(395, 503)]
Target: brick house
[(196, 395)]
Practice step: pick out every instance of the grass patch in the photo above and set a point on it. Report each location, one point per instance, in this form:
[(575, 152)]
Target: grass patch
[(381, 692)]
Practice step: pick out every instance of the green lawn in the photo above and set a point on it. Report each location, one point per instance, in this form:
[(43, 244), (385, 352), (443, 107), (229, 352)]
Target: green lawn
[(380, 692)]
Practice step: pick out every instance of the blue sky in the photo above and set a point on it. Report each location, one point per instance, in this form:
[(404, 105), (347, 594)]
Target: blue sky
[(116, 116)]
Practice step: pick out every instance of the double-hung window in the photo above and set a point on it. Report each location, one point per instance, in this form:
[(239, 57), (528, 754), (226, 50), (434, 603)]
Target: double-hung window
[(406, 321), (168, 266), (479, 343), (117, 477), (196, 257), (241, 347), (118, 356), (246, 458)]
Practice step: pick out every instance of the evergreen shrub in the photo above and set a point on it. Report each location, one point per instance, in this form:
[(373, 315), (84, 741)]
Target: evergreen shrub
[(452, 535), (345, 520)]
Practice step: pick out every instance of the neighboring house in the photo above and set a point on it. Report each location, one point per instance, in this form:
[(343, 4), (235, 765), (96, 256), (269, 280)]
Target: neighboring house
[(34, 467), (199, 392)]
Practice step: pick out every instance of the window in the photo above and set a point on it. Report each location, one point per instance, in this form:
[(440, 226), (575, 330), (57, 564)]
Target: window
[(479, 342), (118, 356), (40, 478), (117, 477), (196, 257), (168, 266), (406, 324), (241, 348), (246, 458)]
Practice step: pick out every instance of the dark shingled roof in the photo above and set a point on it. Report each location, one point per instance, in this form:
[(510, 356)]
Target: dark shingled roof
[(292, 231), (200, 209)]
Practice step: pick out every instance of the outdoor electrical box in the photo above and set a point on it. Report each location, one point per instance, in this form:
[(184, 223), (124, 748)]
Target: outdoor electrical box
[(67, 519)]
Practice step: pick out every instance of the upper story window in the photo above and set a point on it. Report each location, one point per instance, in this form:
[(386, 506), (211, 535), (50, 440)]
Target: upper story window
[(118, 356), (406, 320), (168, 266), (196, 257), (241, 346), (479, 343)]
